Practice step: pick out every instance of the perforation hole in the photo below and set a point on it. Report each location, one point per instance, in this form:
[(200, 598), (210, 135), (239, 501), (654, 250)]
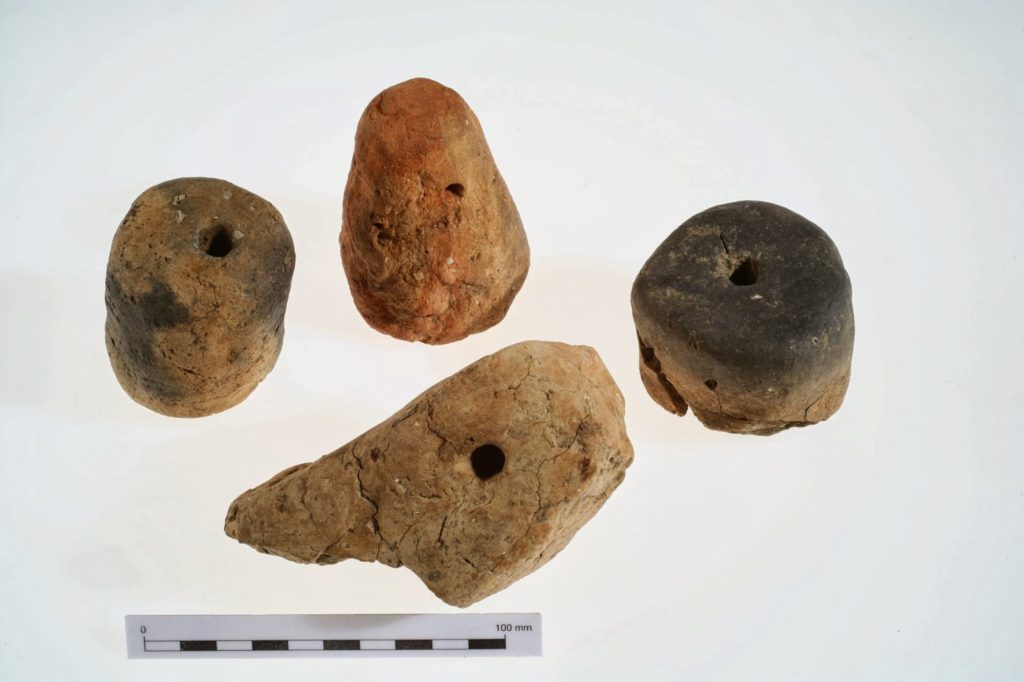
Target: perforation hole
[(746, 273), (488, 460), (217, 241)]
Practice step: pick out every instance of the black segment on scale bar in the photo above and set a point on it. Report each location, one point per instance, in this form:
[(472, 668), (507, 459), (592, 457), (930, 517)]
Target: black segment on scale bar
[(198, 645)]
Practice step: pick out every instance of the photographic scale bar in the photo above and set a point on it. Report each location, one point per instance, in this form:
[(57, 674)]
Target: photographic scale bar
[(356, 636), (154, 645)]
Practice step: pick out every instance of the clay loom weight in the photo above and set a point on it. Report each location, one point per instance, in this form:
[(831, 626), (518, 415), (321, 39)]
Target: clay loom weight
[(476, 483), (197, 284), (744, 314), (431, 240)]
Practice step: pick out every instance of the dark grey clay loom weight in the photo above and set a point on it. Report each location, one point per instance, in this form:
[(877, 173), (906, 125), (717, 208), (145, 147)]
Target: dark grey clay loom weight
[(197, 284), (744, 314)]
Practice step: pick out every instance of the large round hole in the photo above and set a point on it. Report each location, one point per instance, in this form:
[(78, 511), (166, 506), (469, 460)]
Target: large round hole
[(746, 273), (217, 241), (488, 461), (456, 188)]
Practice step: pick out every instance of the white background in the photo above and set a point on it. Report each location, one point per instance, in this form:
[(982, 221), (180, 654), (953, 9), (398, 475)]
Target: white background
[(884, 544)]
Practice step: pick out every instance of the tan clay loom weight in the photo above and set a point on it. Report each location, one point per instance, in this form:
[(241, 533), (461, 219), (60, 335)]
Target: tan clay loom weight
[(431, 240), (744, 314), (476, 483), (197, 284)]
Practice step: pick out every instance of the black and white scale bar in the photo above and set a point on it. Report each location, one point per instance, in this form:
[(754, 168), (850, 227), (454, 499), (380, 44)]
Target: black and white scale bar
[(161, 645), (299, 636)]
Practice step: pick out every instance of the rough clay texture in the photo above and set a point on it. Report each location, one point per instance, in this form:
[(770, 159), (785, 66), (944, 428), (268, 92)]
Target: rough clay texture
[(744, 314), (405, 492), (431, 241), (197, 284)]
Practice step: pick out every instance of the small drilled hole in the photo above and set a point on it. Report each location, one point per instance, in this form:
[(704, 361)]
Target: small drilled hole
[(456, 189), (488, 461), (217, 241), (711, 383), (746, 273)]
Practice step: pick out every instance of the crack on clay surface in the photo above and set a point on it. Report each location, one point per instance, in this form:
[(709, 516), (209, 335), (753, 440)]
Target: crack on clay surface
[(302, 500), (312, 519), (764, 427), (429, 420), (362, 493), (650, 359), (815, 402), (540, 483)]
